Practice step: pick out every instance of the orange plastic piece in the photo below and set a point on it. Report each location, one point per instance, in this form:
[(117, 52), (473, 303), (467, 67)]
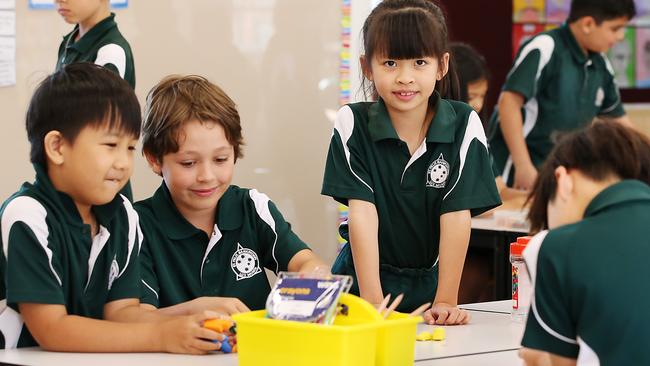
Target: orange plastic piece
[(218, 325)]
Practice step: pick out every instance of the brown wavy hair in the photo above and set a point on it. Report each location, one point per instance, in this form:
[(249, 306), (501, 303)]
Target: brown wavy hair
[(177, 99)]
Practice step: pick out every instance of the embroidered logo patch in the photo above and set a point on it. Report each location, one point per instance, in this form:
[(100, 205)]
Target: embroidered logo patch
[(114, 271), (245, 263), (438, 173)]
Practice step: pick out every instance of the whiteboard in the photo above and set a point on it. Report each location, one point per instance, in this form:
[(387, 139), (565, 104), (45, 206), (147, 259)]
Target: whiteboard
[(278, 59)]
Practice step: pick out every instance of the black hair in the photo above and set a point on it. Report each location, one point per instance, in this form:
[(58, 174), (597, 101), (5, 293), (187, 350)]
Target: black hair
[(408, 29), (77, 96), (470, 67), (601, 10), (599, 151)]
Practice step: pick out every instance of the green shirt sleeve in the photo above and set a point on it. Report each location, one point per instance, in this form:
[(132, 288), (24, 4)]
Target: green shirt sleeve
[(523, 78), (471, 185), (346, 173), (612, 104), (149, 286), (550, 326), (33, 270), (127, 283), (280, 243)]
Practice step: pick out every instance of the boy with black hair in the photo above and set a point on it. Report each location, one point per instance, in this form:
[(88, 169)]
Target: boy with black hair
[(70, 278), (560, 81)]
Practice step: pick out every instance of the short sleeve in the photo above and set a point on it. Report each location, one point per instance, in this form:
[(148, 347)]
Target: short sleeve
[(126, 284), (346, 172), (33, 273), (149, 281), (525, 75), (275, 236), (550, 326), (612, 104), (472, 184)]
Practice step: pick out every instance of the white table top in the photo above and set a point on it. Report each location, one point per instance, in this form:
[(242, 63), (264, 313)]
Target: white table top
[(506, 358), (502, 306), (487, 332), (489, 223)]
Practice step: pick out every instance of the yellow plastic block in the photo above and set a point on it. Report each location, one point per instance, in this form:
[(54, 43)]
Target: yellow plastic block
[(423, 336), (438, 334)]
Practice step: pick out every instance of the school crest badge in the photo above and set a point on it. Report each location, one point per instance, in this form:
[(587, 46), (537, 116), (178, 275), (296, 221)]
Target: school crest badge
[(245, 263), (113, 272), (438, 173)]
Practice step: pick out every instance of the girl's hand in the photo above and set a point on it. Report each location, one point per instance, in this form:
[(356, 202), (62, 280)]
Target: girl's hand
[(445, 314)]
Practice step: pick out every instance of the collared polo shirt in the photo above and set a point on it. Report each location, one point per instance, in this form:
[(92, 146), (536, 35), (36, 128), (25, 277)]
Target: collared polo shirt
[(592, 292), (49, 257), (103, 45), (563, 89), (181, 262), (450, 171)]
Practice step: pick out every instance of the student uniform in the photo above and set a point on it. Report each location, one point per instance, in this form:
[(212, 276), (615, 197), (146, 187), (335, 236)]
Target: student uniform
[(563, 89), (592, 294), (180, 262), (103, 45), (49, 257), (450, 171)]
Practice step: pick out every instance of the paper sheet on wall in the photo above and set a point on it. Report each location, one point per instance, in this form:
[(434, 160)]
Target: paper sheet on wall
[(49, 4), (7, 23), (7, 4), (7, 61)]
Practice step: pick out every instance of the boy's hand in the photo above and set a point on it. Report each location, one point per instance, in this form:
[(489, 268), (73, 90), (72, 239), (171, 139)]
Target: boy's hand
[(525, 177), (186, 334), (445, 314), (223, 305)]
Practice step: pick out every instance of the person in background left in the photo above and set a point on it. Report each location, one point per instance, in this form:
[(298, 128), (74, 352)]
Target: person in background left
[(95, 38), (473, 74)]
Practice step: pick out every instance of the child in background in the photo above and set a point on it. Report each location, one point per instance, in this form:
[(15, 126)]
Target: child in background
[(207, 241), (95, 38), (70, 243), (590, 270), (412, 167), (560, 81), (473, 75)]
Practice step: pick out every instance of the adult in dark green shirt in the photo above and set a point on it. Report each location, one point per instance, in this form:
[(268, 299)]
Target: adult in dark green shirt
[(591, 297), (560, 81)]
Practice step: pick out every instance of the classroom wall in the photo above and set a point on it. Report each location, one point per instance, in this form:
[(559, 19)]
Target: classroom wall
[(278, 59)]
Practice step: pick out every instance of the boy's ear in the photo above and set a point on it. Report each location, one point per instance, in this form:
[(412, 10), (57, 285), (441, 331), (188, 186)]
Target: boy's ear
[(443, 68), (154, 163), (587, 24), (53, 144), (365, 67)]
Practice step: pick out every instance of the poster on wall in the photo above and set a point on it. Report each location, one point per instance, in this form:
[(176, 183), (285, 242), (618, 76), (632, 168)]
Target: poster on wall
[(528, 11), (643, 58), (49, 4), (557, 11), (7, 4), (523, 32), (642, 17), (7, 61), (622, 57)]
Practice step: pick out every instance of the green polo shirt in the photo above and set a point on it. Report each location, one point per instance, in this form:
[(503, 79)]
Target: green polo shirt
[(563, 89), (592, 293), (49, 257), (180, 262), (103, 45), (450, 171)]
